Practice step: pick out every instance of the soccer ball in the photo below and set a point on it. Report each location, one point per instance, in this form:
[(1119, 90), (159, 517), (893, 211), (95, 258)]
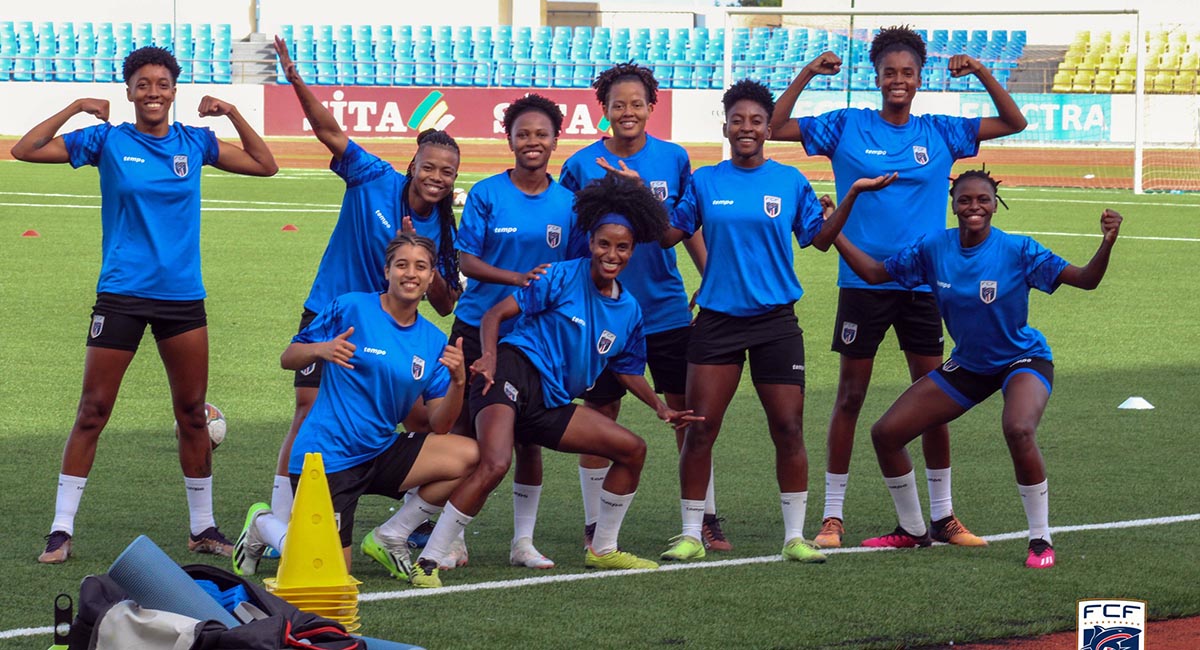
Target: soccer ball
[(216, 425), (460, 197)]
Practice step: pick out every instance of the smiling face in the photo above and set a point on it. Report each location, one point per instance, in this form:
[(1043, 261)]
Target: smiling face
[(747, 125), (152, 90), (435, 169), (898, 76), (628, 109), (532, 140), (409, 271), (974, 203), (611, 246)]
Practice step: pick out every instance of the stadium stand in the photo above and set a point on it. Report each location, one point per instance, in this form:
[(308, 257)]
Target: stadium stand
[(1107, 63)]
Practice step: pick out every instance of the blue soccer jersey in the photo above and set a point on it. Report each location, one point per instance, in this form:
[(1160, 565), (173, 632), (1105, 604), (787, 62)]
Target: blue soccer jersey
[(861, 144), (373, 206), (511, 230), (983, 293), (652, 275), (571, 332), (748, 216), (149, 206), (356, 413)]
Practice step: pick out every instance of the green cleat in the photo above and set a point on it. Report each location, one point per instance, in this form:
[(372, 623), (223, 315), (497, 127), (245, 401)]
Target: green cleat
[(394, 557), (249, 548), (800, 550), (682, 549), (425, 574), (617, 560)]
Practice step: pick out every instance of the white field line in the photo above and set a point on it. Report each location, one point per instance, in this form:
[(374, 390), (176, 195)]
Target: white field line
[(329, 210), (1089, 234), (575, 577)]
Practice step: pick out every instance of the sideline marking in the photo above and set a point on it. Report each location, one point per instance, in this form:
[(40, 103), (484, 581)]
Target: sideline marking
[(1090, 234), (326, 210), (574, 577)]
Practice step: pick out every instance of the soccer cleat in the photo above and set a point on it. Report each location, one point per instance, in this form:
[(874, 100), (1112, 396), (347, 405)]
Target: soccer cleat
[(271, 553), (951, 531), (589, 531), (898, 538), (798, 549), (211, 541), (393, 556), (1041, 554), (58, 548), (524, 554), (425, 574), (455, 557), (712, 535), (618, 560), (420, 535), (682, 549), (831, 533), (250, 546)]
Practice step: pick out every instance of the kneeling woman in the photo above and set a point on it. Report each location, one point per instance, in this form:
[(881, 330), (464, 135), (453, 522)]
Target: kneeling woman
[(380, 357), (573, 323)]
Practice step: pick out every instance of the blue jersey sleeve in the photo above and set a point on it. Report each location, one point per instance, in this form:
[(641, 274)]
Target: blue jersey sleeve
[(439, 382), (206, 140), (810, 218), (632, 360), (1042, 267), (543, 293), (326, 326), (686, 215), (822, 133), (685, 179), (472, 231), (358, 166), (907, 267), (84, 145), (961, 134), (569, 177)]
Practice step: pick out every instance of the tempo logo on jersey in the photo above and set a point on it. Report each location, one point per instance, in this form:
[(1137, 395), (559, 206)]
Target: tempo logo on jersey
[(97, 326), (1106, 624), (849, 332), (920, 154), (987, 291), (659, 188), (418, 367), (606, 341), (553, 235), (181, 165), (772, 205)]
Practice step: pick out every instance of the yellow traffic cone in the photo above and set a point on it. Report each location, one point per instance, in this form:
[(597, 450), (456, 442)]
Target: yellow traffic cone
[(312, 552)]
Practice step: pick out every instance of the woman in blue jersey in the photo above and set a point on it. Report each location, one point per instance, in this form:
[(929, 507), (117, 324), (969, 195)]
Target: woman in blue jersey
[(981, 277), (378, 203), (573, 323), (749, 207), (150, 270), (921, 148), (514, 225), (382, 356), (628, 93)]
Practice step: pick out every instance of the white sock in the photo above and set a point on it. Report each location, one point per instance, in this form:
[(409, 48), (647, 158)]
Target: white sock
[(272, 530), (1036, 500), (692, 513), (525, 509), (794, 505), (710, 496), (835, 494), (66, 502), (199, 499), (612, 512), (450, 526), (908, 502), (591, 482), (281, 498), (413, 513), (940, 503)]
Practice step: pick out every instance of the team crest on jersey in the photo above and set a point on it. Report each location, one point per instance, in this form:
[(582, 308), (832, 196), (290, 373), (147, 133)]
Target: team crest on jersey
[(987, 291), (97, 326), (308, 370), (606, 341), (772, 205), (950, 366), (510, 392), (849, 332), (920, 154), (659, 188), (181, 165), (553, 235), (418, 367)]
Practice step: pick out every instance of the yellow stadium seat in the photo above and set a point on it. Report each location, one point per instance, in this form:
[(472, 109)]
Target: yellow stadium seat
[(1162, 83), (1191, 61), (1185, 83), (1082, 83), (1110, 61), (1170, 61), (1062, 81), (1103, 83), (1123, 83), (1128, 63)]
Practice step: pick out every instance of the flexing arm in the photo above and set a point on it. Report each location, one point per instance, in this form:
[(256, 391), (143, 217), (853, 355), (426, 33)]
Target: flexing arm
[(443, 411), (1010, 119), (1089, 276), (324, 126), (253, 158), (43, 145), (783, 127), (832, 228), (473, 267), (489, 335), (338, 350), (867, 267)]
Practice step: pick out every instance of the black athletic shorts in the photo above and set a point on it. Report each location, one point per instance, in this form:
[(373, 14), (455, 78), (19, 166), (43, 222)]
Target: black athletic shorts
[(666, 355), (118, 322), (309, 376), (774, 341), (518, 385), (970, 388), (864, 316), (382, 475)]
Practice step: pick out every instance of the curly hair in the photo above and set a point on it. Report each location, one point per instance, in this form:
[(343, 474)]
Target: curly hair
[(898, 38), (409, 239), (978, 173), (533, 102), (447, 255), (613, 194), (748, 89), (626, 72), (150, 55)]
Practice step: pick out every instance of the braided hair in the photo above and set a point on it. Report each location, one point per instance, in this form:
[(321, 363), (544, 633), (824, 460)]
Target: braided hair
[(626, 72), (532, 102), (978, 173), (898, 38), (409, 239), (748, 89), (613, 194), (150, 55), (447, 255)]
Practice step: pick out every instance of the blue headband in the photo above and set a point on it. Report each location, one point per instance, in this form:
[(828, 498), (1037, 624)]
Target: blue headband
[(614, 218)]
